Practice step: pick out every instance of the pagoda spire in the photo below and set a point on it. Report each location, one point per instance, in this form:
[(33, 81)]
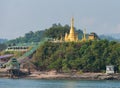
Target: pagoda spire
[(72, 22), (85, 33), (72, 36), (72, 27)]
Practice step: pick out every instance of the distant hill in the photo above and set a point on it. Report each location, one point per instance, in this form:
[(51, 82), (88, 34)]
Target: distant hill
[(2, 44), (3, 40), (110, 37), (115, 36)]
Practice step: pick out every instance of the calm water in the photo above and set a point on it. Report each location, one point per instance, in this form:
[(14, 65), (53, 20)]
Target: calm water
[(24, 83)]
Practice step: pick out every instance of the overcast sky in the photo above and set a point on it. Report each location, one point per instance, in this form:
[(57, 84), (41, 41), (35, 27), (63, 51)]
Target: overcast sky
[(18, 17)]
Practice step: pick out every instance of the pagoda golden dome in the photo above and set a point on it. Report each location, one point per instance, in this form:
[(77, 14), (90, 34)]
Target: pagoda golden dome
[(72, 36)]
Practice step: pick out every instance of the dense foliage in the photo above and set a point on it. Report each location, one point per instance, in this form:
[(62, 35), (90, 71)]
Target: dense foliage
[(91, 56), (57, 31)]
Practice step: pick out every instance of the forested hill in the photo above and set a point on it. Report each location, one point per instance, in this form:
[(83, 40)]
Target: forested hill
[(28, 37), (56, 31), (91, 56)]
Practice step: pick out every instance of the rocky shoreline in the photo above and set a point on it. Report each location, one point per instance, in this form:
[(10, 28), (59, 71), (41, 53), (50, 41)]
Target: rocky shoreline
[(82, 76), (55, 75)]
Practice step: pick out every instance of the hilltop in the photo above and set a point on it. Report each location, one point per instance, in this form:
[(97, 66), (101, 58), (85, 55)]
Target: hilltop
[(55, 32)]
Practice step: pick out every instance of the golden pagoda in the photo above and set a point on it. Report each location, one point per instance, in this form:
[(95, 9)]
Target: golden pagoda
[(72, 36)]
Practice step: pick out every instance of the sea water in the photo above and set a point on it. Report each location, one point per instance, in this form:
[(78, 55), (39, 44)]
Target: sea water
[(30, 83)]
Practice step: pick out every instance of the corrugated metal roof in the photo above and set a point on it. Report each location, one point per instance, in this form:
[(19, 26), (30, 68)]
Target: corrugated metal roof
[(6, 56)]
